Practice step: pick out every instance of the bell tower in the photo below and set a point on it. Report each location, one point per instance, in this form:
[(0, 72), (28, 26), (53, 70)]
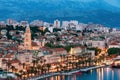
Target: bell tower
[(27, 39)]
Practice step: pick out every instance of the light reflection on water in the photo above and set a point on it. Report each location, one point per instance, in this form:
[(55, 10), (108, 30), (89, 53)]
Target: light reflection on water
[(97, 74)]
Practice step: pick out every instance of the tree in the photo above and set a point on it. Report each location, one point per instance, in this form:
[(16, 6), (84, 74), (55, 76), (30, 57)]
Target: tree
[(97, 50), (112, 51), (13, 68), (32, 70), (39, 67), (34, 63), (56, 30), (23, 65), (8, 65), (48, 67)]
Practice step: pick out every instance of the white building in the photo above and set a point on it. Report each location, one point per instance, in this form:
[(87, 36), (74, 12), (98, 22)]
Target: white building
[(24, 23), (11, 21), (46, 24), (65, 23), (3, 32), (50, 29), (98, 43), (25, 57), (37, 23), (2, 23), (92, 52), (80, 26), (52, 58), (57, 23), (114, 45), (75, 22)]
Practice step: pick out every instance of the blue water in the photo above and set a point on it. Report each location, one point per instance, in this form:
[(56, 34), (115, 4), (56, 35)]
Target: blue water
[(96, 74)]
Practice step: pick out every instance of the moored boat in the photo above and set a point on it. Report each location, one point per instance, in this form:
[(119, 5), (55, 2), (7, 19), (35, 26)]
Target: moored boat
[(116, 63), (78, 73)]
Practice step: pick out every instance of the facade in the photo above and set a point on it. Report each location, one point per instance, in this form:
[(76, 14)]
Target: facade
[(114, 45), (53, 55), (57, 23), (37, 23), (15, 63), (27, 39), (99, 44), (58, 51), (52, 58), (28, 43), (75, 50), (65, 23), (24, 23), (92, 53), (25, 57), (3, 32), (74, 22)]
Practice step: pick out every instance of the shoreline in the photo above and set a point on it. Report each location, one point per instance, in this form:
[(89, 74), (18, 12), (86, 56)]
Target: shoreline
[(83, 70), (65, 73)]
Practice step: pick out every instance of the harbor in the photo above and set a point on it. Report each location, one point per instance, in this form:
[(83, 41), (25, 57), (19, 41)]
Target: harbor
[(65, 73)]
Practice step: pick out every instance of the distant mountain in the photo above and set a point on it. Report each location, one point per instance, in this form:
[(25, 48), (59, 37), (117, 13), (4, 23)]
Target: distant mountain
[(102, 11)]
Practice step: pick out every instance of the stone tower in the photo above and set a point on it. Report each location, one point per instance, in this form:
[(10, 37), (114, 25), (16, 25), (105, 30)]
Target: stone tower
[(27, 39)]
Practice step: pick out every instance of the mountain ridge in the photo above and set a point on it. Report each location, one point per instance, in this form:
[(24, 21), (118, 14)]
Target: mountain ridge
[(49, 10)]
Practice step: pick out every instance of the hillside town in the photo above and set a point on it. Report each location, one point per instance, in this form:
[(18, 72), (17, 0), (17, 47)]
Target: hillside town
[(28, 49)]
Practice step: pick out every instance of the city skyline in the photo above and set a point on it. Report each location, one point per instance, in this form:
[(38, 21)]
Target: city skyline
[(103, 12)]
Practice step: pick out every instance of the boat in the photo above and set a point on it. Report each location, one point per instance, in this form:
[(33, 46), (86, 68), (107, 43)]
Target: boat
[(78, 73), (116, 63)]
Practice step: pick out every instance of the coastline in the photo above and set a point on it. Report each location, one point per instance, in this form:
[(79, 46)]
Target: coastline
[(65, 73)]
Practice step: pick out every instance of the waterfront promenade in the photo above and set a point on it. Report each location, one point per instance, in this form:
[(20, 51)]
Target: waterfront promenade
[(64, 73)]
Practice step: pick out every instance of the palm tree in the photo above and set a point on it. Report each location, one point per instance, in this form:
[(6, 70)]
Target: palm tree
[(64, 58), (67, 60), (34, 63), (8, 65), (41, 62), (72, 61), (39, 67), (23, 64), (69, 64), (80, 63), (89, 61), (13, 68), (48, 67), (32, 70), (28, 72), (57, 67), (61, 58), (21, 74), (95, 60), (42, 69), (44, 61)]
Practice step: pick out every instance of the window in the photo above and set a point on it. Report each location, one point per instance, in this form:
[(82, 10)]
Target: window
[(26, 39)]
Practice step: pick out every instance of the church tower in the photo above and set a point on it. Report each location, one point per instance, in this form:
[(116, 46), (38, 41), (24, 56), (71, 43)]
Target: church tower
[(27, 39)]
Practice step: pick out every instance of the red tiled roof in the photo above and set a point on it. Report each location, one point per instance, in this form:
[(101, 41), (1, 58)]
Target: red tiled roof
[(14, 61), (45, 48), (82, 47), (1, 55), (34, 44), (114, 43), (58, 49), (10, 55)]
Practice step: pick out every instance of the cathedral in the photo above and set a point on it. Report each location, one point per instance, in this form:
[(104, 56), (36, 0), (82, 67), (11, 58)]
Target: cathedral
[(28, 43)]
